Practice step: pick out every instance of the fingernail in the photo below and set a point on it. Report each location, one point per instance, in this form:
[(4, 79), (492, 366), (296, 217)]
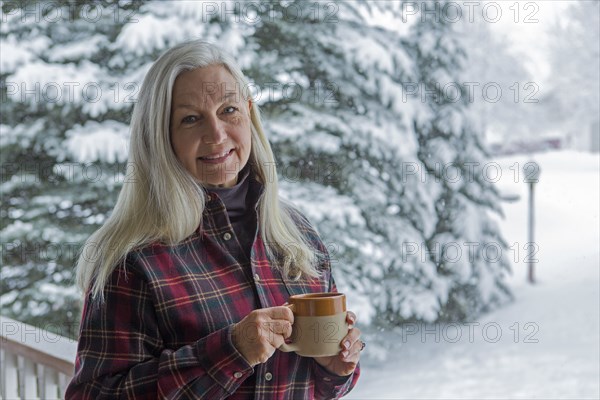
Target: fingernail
[(347, 344), (344, 354)]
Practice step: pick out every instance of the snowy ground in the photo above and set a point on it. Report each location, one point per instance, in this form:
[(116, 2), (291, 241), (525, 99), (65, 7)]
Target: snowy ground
[(544, 345)]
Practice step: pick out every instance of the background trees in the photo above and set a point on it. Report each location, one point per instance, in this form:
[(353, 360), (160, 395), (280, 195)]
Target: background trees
[(369, 145), (574, 98)]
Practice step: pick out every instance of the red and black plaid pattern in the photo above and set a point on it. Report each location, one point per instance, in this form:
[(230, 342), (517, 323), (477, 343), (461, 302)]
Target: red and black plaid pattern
[(164, 330)]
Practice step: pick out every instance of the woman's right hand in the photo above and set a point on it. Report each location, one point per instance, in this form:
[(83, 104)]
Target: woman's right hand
[(261, 332)]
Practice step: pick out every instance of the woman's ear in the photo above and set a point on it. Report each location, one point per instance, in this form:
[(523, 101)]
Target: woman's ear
[(249, 105)]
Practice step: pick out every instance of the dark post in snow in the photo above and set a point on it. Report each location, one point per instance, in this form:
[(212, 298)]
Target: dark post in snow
[(531, 173)]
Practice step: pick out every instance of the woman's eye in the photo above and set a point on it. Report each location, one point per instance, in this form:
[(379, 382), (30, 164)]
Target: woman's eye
[(189, 119), (229, 110)]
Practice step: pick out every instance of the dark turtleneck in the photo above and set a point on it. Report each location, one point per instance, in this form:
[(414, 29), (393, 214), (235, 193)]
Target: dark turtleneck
[(240, 200)]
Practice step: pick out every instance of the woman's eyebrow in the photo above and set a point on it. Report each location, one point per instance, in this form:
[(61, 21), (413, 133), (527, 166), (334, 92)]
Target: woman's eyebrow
[(229, 95), (226, 96), (184, 106)]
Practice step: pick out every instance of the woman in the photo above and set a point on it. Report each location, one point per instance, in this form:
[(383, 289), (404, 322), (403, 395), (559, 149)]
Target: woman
[(186, 281)]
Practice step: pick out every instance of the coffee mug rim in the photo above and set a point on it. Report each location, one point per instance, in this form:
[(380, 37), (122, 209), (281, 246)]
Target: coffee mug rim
[(317, 296)]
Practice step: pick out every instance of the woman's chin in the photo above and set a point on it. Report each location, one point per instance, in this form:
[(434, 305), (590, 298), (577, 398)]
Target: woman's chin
[(228, 181), (223, 176)]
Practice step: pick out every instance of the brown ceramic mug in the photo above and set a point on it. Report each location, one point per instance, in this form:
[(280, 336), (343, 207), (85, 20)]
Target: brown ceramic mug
[(319, 324)]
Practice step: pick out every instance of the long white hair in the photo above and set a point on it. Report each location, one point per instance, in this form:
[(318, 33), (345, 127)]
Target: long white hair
[(163, 202)]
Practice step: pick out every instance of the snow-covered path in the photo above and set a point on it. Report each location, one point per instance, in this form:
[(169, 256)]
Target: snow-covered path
[(545, 344)]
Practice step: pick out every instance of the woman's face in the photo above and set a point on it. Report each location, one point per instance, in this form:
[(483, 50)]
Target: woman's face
[(210, 125)]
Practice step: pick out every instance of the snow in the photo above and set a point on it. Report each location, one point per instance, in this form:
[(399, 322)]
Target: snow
[(386, 16), (107, 141), (423, 303), (78, 50), (21, 134), (324, 142), (19, 54), (46, 83), (369, 53), (325, 203), (157, 28), (135, 38), (16, 229), (543, 345)]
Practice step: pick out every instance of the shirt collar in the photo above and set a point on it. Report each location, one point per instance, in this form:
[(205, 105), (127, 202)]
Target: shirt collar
[(244, 195)]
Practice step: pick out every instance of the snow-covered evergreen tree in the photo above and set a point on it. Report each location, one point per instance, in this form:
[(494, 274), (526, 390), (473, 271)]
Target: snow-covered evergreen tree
[(369, 150), (63, 137), (357, 150), (465, 193)]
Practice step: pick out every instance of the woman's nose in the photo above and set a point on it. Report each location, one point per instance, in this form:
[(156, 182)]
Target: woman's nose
[(215, 132)]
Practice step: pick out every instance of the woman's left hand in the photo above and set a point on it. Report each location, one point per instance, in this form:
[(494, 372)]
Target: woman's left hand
[(344, 363)]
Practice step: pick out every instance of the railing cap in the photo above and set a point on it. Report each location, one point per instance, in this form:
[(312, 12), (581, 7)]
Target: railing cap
[(38, 339)]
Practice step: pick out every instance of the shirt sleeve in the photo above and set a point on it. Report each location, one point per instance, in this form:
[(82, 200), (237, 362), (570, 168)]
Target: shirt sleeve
[(121, 354), (331, 386)]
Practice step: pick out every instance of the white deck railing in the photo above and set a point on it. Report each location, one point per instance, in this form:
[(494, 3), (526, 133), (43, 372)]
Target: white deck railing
[(34, 363)]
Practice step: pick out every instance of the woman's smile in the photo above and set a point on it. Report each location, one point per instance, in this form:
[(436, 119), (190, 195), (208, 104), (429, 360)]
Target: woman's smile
[(216, 158)]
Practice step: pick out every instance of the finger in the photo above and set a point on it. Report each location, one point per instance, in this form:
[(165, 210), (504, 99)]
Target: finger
[(277, 342), (350, 318), (277, 332), (281, 327), (281, 313), (270, 339), (352, 355), (352, 337)]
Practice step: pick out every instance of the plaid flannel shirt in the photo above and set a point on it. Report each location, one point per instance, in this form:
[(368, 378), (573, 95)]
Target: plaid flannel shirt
[(165, 328)]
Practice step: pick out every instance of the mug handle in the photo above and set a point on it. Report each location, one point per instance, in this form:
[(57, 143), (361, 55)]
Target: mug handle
[(291, 346)]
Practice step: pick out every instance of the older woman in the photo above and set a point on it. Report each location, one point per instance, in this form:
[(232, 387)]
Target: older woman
[(185, 282)]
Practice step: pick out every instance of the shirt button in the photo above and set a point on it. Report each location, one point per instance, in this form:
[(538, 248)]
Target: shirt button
[(268, 376), (327, 379), (227, 236), (256, 277), (238, 375)]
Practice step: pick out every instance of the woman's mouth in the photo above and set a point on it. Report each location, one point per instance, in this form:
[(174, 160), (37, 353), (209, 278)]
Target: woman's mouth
[(216, 158)]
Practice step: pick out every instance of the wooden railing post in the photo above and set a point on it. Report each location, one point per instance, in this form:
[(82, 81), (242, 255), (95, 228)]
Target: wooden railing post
[(9, 383), (35, 364)]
